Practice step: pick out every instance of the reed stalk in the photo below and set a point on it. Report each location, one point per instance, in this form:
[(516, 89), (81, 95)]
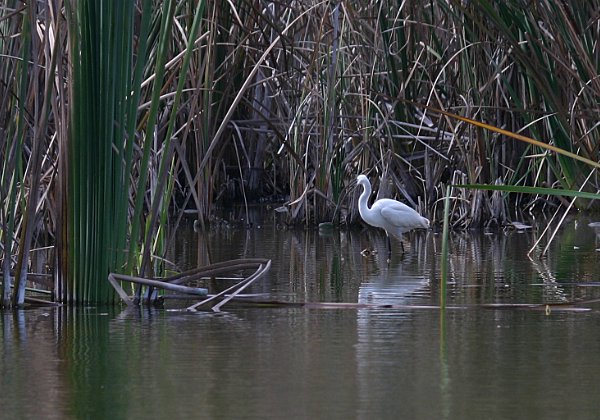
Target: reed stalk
[(101, 141), (444, 252)]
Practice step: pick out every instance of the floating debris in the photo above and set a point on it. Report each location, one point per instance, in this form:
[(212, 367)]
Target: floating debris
[(521, 226), (326, 227), (368, 252)]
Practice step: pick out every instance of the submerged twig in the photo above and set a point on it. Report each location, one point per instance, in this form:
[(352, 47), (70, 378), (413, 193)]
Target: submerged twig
[(175, 282), (262, 268)]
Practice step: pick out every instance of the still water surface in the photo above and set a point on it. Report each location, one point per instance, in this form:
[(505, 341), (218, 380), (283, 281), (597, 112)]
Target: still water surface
[(404, 360)]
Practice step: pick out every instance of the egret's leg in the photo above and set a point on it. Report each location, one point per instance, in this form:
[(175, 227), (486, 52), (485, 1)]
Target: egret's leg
[(389, 244), (402, 245)]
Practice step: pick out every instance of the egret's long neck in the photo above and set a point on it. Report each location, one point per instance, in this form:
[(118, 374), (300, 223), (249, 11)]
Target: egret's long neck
[(363, 200)]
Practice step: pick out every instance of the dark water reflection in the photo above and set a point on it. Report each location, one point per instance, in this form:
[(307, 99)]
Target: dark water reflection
[(294, 362)]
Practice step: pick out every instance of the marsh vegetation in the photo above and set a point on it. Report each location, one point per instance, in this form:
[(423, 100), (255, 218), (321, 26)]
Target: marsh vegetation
[(116, 118)]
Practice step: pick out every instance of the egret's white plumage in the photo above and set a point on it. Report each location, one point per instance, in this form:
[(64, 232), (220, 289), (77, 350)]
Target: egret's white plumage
[(390, 215)]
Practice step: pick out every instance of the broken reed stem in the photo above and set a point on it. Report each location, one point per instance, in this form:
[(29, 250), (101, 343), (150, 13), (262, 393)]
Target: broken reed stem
[(174, 283)]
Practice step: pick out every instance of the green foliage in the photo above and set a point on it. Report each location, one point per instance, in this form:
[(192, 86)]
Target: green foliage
[(101, 111)]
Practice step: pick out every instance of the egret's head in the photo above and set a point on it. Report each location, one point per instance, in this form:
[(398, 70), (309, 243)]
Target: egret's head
[(425, 223), (362, 180)]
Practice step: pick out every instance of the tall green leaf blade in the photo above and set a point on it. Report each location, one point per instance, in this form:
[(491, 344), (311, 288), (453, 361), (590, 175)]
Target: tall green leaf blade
[(532, 190)]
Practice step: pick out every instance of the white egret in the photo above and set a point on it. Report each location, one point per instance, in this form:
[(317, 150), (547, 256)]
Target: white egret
[(392, 216)]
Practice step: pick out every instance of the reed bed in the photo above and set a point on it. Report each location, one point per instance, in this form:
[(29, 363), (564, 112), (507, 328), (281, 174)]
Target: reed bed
[(116, 118)]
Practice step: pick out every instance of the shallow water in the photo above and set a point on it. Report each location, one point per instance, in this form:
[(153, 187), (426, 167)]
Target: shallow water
[(401, 357)]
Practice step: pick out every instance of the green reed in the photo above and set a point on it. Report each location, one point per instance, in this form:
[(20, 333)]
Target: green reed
[(101, 55), (444, 254)]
